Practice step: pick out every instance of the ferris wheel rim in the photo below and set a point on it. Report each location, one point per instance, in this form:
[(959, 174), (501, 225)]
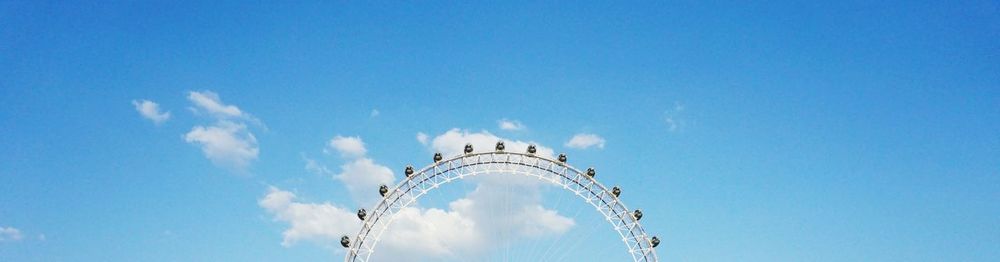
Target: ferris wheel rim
[(643, 251)]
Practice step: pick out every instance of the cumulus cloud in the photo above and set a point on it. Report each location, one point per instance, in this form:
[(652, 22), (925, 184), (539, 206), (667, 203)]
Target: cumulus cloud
[(584, 141), (348, 146), (526, 217), (453, 141), (325, 223), (151, 110), (10, 234), (362, 177), (360, 174), (314, 222), (469, 224), (511, 125), (226, 143), (430, 232)]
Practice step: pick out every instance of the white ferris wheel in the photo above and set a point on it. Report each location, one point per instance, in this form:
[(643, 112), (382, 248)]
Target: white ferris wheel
[(638, 243)]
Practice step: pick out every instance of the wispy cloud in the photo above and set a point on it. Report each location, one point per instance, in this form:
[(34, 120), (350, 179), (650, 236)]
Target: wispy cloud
[(315, 167), (374, 113), (151, 110), (209, 102), (510, 125), (10, 234), (584, 141), (422, 138), (672, 117)]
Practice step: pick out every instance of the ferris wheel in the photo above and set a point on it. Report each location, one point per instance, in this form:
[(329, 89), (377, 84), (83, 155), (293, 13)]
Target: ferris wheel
[(638, 243)]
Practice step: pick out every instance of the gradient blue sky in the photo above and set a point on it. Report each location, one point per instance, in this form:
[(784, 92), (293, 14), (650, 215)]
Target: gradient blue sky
[(847, 131)]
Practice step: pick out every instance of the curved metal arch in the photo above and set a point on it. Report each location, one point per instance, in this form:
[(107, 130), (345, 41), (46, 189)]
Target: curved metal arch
[(433, 176)]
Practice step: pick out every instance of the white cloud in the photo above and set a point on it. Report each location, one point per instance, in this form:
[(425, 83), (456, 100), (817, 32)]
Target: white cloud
[(225, 143), (415, 232), (151, 110), (315, 167), (10, 234), (210, 103), (348, 146), (362, 177), (430, 232), (468, 226), (672, 124), (228, 142), (672, 117), (422, 138), (538, 221), (374, 113), (452, 143), (320, 223), (511, 125), (472, 224), (584, 141), (527, 216)]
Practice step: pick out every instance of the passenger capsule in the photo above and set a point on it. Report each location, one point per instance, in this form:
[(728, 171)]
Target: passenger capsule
[(637, 214), (531, 149), (362, 214), (468, 148), (345, 241), (591, 172), (382, 190), (655, 241), (500, 146), (437, 157), (408, 171), (562, 158), (616, 191)]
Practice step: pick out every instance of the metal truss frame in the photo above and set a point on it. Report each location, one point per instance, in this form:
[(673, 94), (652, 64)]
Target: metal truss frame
[(407, 191)]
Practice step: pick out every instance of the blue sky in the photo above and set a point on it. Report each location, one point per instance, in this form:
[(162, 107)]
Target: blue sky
[(848, 131)]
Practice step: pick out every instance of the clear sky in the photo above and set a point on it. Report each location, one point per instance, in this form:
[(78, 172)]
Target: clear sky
[(845, 131)]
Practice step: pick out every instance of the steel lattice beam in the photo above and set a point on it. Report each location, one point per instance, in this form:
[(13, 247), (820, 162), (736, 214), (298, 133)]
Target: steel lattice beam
[(407, 191)]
